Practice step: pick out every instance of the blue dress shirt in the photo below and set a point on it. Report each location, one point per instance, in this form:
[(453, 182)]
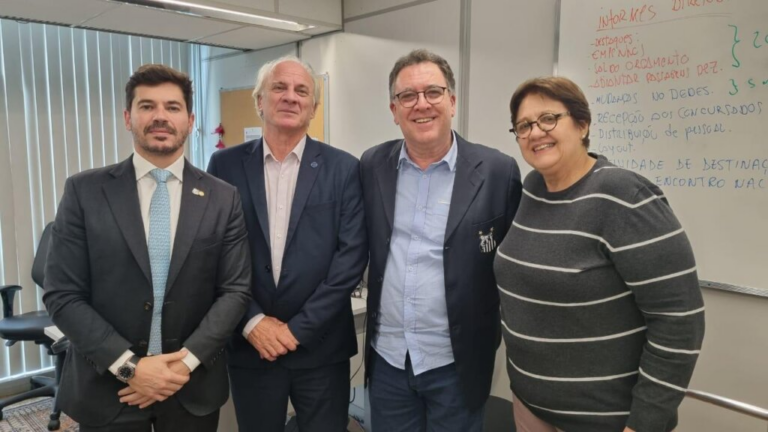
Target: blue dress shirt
[(413, 317)]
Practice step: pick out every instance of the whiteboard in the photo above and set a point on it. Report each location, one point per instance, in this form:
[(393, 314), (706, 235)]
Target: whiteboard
[(679, 93)]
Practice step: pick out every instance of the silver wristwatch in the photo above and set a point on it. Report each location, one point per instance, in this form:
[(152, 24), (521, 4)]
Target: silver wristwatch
[(128, 369)]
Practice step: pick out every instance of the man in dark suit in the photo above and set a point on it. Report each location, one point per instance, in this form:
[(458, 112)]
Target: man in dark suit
[(148, 257), (303, 206), (436, 208)]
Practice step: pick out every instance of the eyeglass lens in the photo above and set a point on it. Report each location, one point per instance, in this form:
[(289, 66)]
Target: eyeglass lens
[(433, 95)]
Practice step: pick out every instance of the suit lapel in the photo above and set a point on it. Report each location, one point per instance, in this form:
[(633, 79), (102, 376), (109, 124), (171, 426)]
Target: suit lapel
[(386, 177), (254, 172), (191, 212), (311, 164), (465, 186), (123, 198)]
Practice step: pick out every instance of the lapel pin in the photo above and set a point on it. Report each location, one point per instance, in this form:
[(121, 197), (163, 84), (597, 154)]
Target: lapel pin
[(198, 192), (313, 164)]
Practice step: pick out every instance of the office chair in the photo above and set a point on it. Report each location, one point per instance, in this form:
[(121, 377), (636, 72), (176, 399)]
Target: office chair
[(29, 327)]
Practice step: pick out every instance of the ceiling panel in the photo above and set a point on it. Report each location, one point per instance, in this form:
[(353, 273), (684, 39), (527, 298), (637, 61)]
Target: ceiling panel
[(265, 5), (320, 10), (354, 8), (112, 15), (59, 11), (148, 21), (253, 38)]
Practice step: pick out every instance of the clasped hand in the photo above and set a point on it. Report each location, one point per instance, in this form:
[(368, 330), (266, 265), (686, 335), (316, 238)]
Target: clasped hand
[(156, 379), (272, 338)]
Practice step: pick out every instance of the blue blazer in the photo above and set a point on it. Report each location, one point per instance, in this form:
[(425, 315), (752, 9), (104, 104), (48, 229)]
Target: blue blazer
[(486, 193), (326, 251)]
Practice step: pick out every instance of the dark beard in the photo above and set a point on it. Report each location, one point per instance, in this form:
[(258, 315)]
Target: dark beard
[(177, 139)]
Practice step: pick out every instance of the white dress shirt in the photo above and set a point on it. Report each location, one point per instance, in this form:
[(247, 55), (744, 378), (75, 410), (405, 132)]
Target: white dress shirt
[(280, 185), (146, 187)]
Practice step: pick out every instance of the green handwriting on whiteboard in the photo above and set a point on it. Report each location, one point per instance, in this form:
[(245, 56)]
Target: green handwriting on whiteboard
[(758, 42), (736, 40), (735, 89)]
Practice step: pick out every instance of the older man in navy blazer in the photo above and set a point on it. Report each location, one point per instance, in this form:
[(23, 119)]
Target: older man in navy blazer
[(436, 207), (302, 201)]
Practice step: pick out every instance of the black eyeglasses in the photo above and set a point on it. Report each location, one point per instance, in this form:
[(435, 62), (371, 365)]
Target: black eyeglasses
[(409, 98), (546, 122)]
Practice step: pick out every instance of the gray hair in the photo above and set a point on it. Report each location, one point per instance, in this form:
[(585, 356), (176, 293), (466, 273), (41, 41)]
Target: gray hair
[(421, 56), (266, 72)]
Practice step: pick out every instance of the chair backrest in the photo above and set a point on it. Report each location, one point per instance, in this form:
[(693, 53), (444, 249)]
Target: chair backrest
[(38, 265)]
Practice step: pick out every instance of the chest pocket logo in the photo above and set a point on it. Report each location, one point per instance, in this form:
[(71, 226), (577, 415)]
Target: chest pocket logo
[(487, 242)]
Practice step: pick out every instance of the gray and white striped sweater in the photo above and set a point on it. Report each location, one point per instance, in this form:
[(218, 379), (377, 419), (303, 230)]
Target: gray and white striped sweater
[(602, 312)]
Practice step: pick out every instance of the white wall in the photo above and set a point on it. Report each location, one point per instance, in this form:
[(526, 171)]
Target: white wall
[(510, 42), (731, 364)]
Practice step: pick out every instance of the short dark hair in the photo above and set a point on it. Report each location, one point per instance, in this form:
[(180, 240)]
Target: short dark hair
[(421, 56), (560, 89), (155, 74)]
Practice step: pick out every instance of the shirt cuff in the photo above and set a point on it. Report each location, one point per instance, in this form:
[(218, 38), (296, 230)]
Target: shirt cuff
[(191, 361), (120, 361), (251, 324)]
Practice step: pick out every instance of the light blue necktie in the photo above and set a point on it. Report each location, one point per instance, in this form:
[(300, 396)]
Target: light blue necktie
[(159, 245)]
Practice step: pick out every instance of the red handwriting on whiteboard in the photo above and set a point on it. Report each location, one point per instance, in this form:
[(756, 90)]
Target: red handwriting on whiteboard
[(614, 19), (678, 5)]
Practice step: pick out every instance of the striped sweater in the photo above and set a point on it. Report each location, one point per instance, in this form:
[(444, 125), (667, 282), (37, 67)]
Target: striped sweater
[(602, 313)]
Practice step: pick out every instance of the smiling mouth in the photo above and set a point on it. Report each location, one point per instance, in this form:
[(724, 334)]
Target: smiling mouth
[(541, 147), (423, 120)]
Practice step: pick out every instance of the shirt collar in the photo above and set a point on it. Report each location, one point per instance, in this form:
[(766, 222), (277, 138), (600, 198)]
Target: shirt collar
[(298, 150), (449, 158), (143, 167)]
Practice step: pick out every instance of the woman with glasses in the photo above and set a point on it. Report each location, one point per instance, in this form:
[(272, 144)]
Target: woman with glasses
[(602, 313)]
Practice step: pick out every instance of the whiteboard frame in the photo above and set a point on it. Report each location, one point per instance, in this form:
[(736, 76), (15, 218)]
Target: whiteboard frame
[(757, 292)]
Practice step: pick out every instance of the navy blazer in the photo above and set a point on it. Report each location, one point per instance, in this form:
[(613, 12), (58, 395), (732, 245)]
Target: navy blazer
[(326, 251), (486, 193)]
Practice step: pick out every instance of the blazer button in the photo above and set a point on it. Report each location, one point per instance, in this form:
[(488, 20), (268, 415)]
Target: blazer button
[(268, 268), (147, 306)]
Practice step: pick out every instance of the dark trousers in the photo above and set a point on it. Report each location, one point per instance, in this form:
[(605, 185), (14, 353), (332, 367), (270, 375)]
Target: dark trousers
[(166, 416), (319, 395), (429, 402)]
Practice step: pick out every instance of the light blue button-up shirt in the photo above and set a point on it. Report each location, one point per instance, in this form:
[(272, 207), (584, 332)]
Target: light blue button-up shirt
[(413, 316)]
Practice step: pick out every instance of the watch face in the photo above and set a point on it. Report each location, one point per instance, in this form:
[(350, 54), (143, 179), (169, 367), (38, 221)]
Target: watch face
[(125, 372)]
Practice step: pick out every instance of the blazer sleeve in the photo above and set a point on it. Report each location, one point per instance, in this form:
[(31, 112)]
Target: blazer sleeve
[(345, 272), (253, 308), (514, 193), (233, 294), (68, 287)]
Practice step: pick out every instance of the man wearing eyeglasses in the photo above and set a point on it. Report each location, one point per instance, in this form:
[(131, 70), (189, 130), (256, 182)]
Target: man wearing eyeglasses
[(436, 208)]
